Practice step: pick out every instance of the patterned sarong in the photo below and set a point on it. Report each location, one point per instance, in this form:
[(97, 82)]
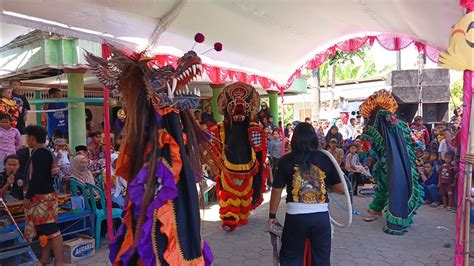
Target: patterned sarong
[(43, 209)]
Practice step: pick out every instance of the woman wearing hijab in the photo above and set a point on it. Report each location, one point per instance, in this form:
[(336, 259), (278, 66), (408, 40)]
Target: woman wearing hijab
[(80, 170), (333, 133)]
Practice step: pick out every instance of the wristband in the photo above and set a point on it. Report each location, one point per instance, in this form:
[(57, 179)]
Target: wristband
[(272, 216)]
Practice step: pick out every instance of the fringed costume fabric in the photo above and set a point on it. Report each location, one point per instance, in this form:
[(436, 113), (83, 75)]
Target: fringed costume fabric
[(243, 147), (161, 160), (398, 193)]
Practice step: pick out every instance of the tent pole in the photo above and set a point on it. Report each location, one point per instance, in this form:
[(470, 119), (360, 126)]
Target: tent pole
[(468, 180), (108, 182), (461, 221)]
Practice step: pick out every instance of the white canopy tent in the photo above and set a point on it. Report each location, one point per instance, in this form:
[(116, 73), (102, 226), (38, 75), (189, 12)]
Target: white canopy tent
[(271, 38)]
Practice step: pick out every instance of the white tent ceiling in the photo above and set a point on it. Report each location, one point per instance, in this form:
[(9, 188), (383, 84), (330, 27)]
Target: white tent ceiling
[(272, 37)]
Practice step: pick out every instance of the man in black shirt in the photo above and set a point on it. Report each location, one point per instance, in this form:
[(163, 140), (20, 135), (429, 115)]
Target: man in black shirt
[(22, 103), (41, 205), (10, 180)]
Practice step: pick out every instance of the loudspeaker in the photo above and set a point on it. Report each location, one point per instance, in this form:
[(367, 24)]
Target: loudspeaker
[(434, 85), (435, 112), (407, 111)]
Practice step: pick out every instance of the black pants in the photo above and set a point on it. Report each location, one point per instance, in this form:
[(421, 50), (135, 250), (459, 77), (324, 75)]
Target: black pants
[(298, 227), (274, 163)]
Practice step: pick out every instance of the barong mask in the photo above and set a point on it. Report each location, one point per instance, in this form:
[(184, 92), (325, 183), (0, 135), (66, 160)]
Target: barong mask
[(238, 101), (166, 86)]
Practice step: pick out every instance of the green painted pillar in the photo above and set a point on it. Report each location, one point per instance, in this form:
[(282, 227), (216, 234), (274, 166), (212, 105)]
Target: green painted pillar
[(273, 101), (38, 107), (77, 115), (216, 89)]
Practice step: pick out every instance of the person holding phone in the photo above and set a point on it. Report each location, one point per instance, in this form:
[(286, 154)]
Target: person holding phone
[(11, 184)]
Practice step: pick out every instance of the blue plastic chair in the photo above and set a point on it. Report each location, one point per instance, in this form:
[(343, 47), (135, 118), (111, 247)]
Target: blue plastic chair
[(100, 214), (77, 186)]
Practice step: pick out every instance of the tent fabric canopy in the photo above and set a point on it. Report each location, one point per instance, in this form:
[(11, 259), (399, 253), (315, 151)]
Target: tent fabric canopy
[(271, 38)]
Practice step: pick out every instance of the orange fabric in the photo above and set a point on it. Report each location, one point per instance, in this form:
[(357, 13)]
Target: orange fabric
[(166, 110), (165, 138), (123, 162), (173, 254)]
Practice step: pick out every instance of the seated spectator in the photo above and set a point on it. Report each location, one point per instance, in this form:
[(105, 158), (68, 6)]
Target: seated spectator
[(11, 183), (429, 178), (119, 184), (321, 137), (197, 116), (207, 117), (62, 153), (334, 134), (426, 155), (81, 150), (96, 154), (80, 170), (338, 153)]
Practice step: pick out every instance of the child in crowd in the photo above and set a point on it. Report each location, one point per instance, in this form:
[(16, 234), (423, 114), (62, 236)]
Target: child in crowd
[(434, 160), (446, 181), (10, 139), (275, 152), (11, 184), (420, 131), (419, 157), (8, 105), (446, 144), (62, 153), (426, 155), (355, 169)]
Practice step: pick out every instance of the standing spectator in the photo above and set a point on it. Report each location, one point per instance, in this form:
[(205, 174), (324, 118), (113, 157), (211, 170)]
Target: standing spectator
[(55, 120), (10, 139), (288, 130), (307, 120), (8, 105), (41, 201), (436, 136), (197, 116), (271, 121), (334, 134), (96, 153), (326, 127), (420, 131), (446, 144), (321, 137), (338, 153), (81, 150), (264, 112), (352, 128), (446, 180), (430, 184), (22, 103), (457, 114), (275, 152), (207, 117), (10, 180), (434, 160)]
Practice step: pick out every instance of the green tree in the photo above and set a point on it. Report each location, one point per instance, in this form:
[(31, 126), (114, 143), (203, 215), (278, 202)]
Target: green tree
[(456, 93), (348, 66)]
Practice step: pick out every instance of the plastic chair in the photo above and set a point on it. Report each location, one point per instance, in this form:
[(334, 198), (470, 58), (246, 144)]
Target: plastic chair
[(57, 184), (100, 214), (76, 185), (100, 181)]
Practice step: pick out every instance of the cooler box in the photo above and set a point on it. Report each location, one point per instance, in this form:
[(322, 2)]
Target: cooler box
[(79, 248)]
